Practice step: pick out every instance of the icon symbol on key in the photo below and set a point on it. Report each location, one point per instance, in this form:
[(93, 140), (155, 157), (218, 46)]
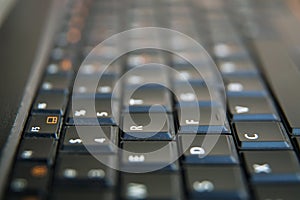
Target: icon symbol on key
[(100, 140), (136, 191), (79, 113), (52, 120), (241, 109), (136, 158), (42, 106), (251, 136), (203, 186), (197, 151), (265, 168)]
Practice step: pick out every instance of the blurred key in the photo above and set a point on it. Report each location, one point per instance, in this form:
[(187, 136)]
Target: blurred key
[(51, 102), (237, 67), (192, 91), (151, 186), (215, 182), (243, 84), (284, 191), (91, 139), (261, 135), (272, 166), (43, 125), (30, 177), (38, 149), (251, 108), (84, 169), (215, 150), (139, 126), (152, 96), (56, 82), (79, 193), (147, 155)]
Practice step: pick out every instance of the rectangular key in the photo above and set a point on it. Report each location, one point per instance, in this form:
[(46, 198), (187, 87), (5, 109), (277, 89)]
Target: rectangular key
[(143, 155), (141, 99), (151, 186), (30, 177), (244, 84), (261, 135), (38, 149), (215, 182), (56, 83), (198, 120), (85, 169), (192, 91), (92, 138), (286, 191), (254, 107), (139, 126), (272, 166), (105, 112), (51, 102), (245, 66), (217, 149), (43, 125)]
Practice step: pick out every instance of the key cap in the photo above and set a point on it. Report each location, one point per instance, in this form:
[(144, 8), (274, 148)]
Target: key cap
[(272, 166), (90, 139), (84, 169), (194, 91), (79, 193), (38, 149), (94, 84), (26, 196), (186, 72), (140, 58), (40, 125), (50, 102), (198, 120), (221, 152), (56, 82), (277, 191), (82, 113), (229, 50), (139, 126), (243, 83), (141, 99), (215, 182), (261, 135), (29, 177), (146, 75), (237, 67), (143, 155), (65, 67), (145, 186), (251, 108)]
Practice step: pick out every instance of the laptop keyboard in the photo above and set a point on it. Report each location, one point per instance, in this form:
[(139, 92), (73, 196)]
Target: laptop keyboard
[(253, 158)]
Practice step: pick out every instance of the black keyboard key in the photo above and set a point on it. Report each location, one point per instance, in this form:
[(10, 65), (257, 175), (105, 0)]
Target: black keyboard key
[(200, 120), (42, 125), (38, 149), (30, 177), (105, 111), (141, 99), (91, 139), (139, 126), (255, 107), (217, 149), (151, 186), (215, 182), (272, 166), (93, 84), (244, 84), (192, 91), (14, 196), (261, 135), (237, 67), (84, 169), (51, 102), (79, 193), (65, 67), (147, 155), (186, 73), (56, 82), (281, 191)]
